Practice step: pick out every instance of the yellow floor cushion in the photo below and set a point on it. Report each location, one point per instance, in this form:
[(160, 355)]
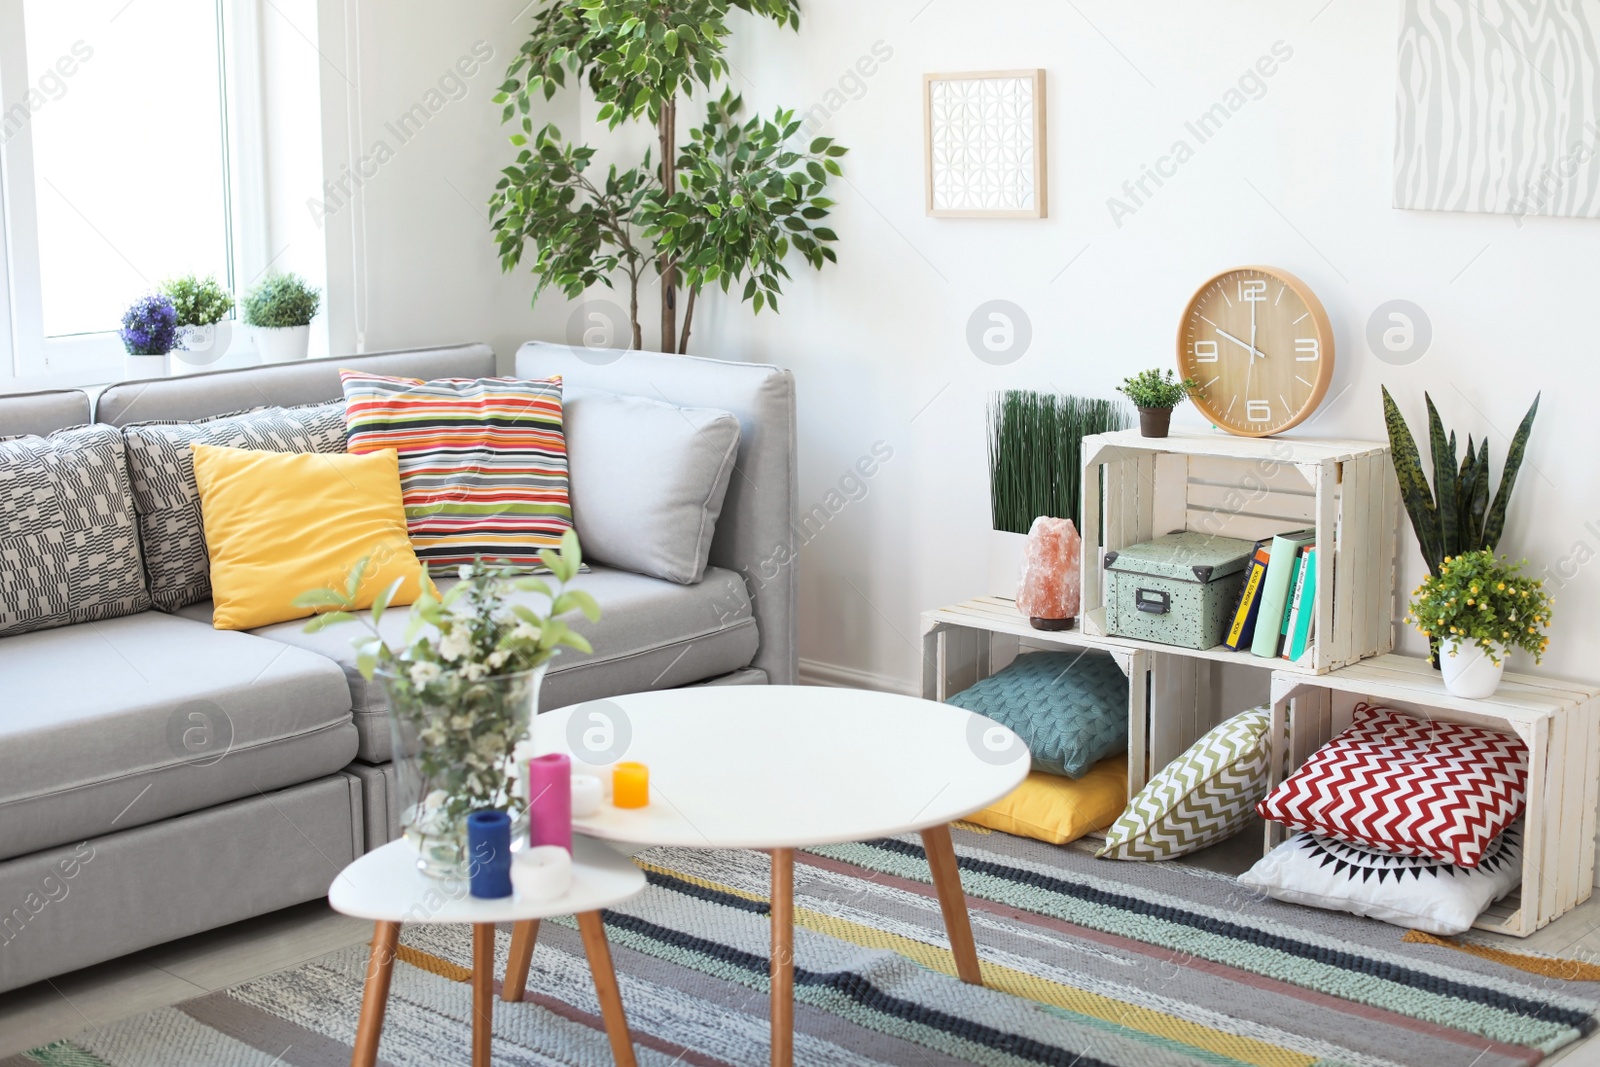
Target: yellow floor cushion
[(1051, 808)]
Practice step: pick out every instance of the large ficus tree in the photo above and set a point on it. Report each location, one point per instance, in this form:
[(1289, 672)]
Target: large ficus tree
[(725, 208)]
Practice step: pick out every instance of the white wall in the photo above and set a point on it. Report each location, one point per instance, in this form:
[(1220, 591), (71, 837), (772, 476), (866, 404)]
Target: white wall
[(406, 225), (1298, 178)]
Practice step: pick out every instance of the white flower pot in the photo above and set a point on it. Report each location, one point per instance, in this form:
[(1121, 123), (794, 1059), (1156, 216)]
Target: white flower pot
[(1006, 552), (202, 347), (1468, 671), (282, 344), (136, 367)]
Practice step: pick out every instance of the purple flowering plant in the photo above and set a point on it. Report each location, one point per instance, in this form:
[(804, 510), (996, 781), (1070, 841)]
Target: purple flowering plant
[(150, 326)]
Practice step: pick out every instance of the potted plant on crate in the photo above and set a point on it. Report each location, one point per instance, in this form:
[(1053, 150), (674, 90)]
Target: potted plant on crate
[(149, 330), (280, 310), (1036, 467), (1479, 608), (1155, 395), (203, 333)]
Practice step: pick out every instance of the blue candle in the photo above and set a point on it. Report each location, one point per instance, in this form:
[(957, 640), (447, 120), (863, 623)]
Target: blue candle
[(489, 849)]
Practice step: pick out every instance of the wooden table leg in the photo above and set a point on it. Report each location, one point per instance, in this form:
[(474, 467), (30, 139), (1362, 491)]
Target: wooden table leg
[(482, 993), (952, 902), (782, 957), (523, 936), (593, 929), (375, 995)]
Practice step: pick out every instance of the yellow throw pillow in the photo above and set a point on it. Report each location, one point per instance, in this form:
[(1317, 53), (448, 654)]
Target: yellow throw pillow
[(281, 523), (1051, 808)]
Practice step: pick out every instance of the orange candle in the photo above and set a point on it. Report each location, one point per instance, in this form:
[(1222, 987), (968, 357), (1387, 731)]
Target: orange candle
[(630, 785)]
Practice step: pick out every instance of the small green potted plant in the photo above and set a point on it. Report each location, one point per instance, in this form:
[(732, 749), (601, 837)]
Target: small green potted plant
[(203, 332), (1155, 395), (1479, 608), (279, 310)]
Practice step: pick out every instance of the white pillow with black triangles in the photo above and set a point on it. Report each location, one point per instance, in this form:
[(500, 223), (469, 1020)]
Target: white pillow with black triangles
[(1418, 892)]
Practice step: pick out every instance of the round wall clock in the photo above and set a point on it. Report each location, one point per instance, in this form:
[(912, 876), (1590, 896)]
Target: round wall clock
[(1259, 346)]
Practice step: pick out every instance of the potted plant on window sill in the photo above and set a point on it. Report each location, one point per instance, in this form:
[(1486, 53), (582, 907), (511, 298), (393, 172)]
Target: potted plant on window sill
[(149, 330), (279, 310), (204, 333), (1479, 608), (1155, 395)]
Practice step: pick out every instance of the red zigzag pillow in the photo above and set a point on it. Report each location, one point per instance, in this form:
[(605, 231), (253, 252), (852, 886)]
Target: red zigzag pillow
[(1409, 786)]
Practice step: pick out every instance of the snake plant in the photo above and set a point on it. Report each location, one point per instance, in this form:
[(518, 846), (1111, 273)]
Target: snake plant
[(1455, 514)]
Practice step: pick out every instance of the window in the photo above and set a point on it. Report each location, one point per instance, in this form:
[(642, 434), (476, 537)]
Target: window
[(120, 150)]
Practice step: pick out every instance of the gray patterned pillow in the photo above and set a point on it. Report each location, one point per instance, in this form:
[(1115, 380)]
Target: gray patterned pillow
[(161, 467), (69, 551)]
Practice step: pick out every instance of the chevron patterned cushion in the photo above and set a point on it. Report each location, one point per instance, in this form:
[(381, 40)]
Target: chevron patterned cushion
[(1413, 891), (1409, 786), (1069, 708), (1204, 796)]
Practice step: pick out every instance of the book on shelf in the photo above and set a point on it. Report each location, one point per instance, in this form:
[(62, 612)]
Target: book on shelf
[(1242, 622), (1275, 591), (1302, 607)]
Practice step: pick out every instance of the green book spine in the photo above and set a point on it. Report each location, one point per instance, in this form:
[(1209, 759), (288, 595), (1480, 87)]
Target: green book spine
[(1289, 600), (1268, 640), (1300, 639)]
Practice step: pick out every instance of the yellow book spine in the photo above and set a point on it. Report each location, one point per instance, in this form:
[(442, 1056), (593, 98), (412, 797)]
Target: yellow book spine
[(1239, 616)]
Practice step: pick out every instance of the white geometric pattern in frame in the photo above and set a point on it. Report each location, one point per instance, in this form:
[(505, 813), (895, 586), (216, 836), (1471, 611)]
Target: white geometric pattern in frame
[(985, 144)]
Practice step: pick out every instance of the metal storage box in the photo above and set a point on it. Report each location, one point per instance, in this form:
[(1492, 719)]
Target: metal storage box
[(1177, 589)]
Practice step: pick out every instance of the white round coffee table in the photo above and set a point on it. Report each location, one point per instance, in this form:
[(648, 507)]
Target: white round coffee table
[(786, 767), (386, 887)]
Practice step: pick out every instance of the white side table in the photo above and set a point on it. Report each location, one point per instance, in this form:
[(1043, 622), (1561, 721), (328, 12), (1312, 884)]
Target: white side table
[(386, 887)]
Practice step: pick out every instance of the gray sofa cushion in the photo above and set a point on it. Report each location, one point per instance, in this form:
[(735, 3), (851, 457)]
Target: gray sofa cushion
[(161, 468), (307, 381), (69, 552), (108, 725), (648, 480), (652, 635), (42, 413), (756, 531)]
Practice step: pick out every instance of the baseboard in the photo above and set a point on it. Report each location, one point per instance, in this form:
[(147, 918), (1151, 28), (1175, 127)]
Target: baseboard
[(815, 672)]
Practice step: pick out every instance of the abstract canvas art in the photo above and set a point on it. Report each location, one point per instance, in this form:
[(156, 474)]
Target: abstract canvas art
[(984, 135), (1497, 107)]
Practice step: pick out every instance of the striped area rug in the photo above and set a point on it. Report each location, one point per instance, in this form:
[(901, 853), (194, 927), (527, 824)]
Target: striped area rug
[(1086, 962)]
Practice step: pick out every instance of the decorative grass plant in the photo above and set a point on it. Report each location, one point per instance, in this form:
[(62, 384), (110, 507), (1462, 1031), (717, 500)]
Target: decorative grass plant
[(1036, 453)]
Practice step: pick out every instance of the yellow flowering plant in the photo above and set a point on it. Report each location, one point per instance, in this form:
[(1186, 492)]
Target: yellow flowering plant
[(1483, 600)]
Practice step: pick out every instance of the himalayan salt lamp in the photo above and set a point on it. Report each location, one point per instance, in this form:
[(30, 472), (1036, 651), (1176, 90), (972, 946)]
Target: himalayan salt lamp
[(1048, 591)]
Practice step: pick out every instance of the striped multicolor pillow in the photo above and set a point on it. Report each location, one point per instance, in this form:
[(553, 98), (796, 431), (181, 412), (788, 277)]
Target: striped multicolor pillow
[(483, 461)]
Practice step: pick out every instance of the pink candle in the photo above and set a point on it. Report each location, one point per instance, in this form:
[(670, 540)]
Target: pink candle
[(550, 800)]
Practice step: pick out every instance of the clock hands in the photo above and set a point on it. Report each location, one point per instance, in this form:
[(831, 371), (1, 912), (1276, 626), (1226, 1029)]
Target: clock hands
[(1252, 349)]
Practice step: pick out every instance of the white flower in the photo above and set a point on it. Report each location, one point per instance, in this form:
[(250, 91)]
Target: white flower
[(423, 673), (464, 571), (525, 632), (498, 657), (461, 723), (474, 671), (455, 644)]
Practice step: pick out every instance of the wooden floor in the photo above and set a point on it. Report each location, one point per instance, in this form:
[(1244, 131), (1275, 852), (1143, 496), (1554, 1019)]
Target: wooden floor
[(38, 1014)]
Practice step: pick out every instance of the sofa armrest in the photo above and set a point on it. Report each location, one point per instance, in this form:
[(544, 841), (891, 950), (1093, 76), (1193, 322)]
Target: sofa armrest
[(755, 533)]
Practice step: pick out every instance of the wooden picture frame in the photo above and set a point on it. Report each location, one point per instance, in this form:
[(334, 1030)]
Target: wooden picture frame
[(993, 168)]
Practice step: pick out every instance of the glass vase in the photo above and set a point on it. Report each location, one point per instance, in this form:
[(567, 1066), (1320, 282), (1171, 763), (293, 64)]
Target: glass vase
[(455, 754)]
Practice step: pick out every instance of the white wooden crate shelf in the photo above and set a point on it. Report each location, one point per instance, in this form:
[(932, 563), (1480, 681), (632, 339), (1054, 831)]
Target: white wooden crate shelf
[(1172, 693), (1558, 720), (1252, 488)]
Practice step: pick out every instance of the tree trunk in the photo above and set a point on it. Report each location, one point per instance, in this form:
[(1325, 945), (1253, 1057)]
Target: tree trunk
[(668, 135), (633, 313), (688, 321)]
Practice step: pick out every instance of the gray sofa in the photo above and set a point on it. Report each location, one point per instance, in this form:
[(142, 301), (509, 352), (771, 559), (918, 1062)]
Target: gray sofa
[(115, 835)]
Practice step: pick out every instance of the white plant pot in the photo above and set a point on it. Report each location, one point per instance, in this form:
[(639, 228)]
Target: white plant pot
[(1468, 671), (136, 367), (282, 344), (203, 347), (1006, 553)]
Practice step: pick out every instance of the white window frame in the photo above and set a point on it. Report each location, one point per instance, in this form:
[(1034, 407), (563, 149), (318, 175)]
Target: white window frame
[(28, 358)]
